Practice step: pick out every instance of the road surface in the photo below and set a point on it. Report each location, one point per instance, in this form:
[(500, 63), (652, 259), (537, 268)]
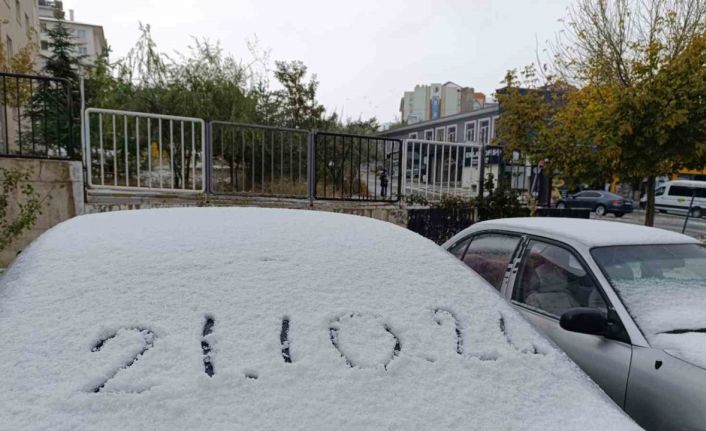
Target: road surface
[(695, 227)]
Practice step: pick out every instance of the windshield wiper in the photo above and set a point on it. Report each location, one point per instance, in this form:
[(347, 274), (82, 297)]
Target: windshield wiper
[(685, 331)]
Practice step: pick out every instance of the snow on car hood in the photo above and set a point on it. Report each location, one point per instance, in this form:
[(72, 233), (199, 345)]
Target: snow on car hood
[(670, 313), (270, 319)]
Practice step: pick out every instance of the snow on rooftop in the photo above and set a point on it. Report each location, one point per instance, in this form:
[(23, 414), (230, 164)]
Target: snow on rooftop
[(591, 233), (264, 319)]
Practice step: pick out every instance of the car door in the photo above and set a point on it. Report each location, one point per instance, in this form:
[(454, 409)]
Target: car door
[(549, 278), (587, 200)]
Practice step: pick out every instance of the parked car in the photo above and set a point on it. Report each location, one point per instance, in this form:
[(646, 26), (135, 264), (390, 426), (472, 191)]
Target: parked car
[(270, 319), (625, 302), (599, 201), (676, 197)]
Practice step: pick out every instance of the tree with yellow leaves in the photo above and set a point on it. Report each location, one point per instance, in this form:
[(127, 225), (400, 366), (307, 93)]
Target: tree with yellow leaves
[(631, 80)]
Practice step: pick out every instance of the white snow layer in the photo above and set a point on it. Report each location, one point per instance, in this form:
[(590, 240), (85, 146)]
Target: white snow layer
[(94, 293), (591, 233), (660, 306)]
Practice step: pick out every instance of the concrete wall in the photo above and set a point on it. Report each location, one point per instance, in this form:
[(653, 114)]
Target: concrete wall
[(59, 185), (102, 202)]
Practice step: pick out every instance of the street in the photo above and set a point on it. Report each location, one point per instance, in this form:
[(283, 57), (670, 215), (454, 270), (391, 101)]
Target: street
[(675, 223)]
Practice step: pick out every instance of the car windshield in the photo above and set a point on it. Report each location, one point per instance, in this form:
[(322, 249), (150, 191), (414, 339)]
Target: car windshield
[(663, 286)]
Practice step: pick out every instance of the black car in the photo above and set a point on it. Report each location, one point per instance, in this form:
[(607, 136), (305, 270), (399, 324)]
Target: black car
[(599, 201)]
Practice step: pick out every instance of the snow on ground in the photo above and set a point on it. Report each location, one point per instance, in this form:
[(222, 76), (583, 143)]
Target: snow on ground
[(306, 321)]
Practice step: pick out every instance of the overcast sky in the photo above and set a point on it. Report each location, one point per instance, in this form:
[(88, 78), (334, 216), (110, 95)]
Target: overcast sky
[(366, 53)]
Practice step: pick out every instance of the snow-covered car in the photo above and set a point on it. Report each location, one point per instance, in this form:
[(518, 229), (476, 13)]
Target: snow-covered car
[(627, 303), (265, 319)]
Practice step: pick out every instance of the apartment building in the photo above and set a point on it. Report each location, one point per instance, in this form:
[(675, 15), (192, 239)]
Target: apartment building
[(89, 38), (434, 101), (19, 21)]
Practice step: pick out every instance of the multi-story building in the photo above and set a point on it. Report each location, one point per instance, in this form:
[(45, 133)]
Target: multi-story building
[(19, 22), (89, 38), (434, 101)]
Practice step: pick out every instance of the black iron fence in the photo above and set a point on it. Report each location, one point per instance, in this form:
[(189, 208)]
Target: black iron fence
[(37, 118), (355, 167), (258, 160)]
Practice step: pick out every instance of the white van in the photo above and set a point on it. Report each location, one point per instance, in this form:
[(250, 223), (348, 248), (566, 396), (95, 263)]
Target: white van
[(675, 197)]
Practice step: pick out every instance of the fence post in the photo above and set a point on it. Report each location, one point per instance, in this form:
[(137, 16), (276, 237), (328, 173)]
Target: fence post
[(688, 212), (311, 166), (403, 170), (481, 182), (207, 159)]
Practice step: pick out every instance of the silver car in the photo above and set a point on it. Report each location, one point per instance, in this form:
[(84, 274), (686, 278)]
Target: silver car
[(627, 303)]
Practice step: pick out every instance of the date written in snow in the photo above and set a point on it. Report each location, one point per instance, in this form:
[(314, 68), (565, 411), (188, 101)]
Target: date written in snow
[(335, 326)]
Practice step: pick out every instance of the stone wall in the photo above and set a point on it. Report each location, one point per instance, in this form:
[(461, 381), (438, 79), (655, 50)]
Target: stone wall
[(59, 185)]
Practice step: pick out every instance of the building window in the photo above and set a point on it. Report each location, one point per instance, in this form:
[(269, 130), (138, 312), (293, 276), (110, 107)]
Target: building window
[(28, 28), (429, 135), (484, 132), (45, 45), (18, 12), (451, 133), (413, 135), (82, 50), (81, 34), (470, 131), (43, 27), (439, 136)]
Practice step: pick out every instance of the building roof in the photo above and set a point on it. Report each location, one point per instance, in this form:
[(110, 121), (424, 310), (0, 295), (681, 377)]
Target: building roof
[(590, 233), (488, 110)]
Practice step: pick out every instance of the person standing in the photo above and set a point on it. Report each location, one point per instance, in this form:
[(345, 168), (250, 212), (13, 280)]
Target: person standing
[(383, 182)]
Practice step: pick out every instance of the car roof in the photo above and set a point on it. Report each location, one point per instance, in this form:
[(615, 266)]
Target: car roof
[(372, 314), (590, 233), (688, 183)]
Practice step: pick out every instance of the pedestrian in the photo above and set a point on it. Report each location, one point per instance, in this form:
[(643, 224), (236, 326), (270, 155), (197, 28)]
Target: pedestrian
[(383, 182)]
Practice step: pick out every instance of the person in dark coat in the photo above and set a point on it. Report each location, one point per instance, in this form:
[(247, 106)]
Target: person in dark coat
[(383, 182)]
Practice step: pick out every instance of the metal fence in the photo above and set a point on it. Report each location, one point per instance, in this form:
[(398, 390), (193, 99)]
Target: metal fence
[(435, 168), (356, 167), (133, 150), (139, 151), (258, 160), (36, 117)]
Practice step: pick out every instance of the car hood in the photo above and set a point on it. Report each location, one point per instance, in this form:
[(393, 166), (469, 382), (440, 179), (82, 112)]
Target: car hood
[(670, 314), (688, 346)]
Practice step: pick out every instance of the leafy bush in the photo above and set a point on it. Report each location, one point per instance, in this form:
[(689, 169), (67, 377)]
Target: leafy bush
[(500, 202), (19, 205)]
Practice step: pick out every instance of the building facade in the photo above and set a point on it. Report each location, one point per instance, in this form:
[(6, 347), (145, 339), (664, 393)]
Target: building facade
[(435, 101), (477, 127), (19, 22), (89, 38)]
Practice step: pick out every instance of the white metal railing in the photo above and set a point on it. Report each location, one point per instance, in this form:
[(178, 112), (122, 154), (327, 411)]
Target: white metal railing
[(141, 151), (436, 168)]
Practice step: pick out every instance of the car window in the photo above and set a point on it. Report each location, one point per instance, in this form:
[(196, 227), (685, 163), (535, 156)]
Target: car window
[(659, 191), (701, 193), (591, 195), (680, 191), (489, 255), (553, 280), (460, 247)]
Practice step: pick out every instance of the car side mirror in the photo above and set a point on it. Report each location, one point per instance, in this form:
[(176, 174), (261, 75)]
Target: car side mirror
[(585, 321)]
